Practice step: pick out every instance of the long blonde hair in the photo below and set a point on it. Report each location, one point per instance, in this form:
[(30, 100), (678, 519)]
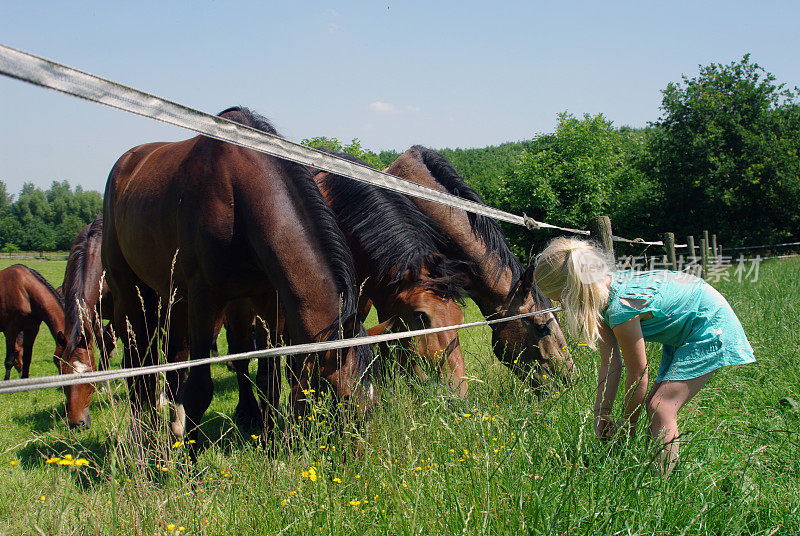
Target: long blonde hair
[(578, 271)]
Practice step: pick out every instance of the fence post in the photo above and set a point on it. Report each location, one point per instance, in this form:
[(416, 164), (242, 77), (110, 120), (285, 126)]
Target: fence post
[(669, 247), (602, 231), (690, 244), (704, 257), (714, 253)]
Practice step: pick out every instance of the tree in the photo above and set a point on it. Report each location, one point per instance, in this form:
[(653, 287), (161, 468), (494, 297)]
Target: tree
[(725, 154), (567, 178), (353, 148)]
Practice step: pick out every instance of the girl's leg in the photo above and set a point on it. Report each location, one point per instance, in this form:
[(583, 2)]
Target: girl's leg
[(665, 400)]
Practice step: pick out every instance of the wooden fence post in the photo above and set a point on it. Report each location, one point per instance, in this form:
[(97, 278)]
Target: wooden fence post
[(704, 257), (714, 253), (690, 244), (669, 247), (602, 232)]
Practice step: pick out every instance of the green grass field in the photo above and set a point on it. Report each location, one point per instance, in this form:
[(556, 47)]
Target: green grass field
[(500, 462)]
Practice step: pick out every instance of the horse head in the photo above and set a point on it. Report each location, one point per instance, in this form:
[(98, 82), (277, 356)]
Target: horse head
[(533, 346), (76, 357)]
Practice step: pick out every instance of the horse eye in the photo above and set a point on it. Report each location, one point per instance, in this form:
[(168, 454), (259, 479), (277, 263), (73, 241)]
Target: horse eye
[(421, 320)]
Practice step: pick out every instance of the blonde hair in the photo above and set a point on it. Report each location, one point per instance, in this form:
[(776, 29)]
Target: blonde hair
[(577, 270)]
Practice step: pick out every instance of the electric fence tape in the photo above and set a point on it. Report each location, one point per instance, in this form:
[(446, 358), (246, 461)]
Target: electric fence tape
[(63, 380)]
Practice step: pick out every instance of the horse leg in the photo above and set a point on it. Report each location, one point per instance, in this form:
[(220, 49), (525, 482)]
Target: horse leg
[(198, 389), (29, 337), (239, 319), (268, 372), (11, 352)]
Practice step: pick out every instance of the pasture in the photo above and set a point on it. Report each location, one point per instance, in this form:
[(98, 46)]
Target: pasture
[(499, 462)]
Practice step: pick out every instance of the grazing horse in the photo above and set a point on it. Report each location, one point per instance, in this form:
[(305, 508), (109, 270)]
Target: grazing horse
[(200, 223), (403, 272), (87, 301), (498, 283), (26, 300)]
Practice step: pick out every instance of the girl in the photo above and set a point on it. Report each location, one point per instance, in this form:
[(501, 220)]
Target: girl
[(619, 311)]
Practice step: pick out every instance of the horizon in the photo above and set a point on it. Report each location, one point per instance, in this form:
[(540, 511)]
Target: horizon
[(447, 76)]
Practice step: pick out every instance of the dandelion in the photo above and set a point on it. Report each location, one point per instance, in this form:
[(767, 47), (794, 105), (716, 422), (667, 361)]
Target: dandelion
[(54, 459), (337, 480), (14, 463), (355, 504), (80, 462), (358, 476), (170, 527), (42, 498), (254, 436), (192, 441), (544, 376), (66, 461), (323, 447), (467, 415), (181, 528)]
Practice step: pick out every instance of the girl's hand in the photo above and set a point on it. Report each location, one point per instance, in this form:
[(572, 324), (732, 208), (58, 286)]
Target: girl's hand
[(604, 428)]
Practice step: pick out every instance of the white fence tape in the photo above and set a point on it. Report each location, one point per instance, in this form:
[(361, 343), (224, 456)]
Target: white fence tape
[(63, 380)]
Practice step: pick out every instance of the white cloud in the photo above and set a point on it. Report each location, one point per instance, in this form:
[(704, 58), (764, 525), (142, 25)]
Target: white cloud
[(383, 107), (413, 109)]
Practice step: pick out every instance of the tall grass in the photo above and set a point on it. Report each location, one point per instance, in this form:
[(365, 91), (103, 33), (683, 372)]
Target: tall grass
[(500, 462)]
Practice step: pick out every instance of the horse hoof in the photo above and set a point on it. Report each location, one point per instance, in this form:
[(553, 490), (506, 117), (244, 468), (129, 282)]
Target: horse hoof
[(247, 417), (177, 422)]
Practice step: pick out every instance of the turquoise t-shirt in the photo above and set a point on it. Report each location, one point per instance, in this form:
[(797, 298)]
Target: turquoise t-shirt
[(699, 330)]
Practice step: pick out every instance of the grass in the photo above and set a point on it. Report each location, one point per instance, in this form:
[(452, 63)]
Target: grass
[(500, 462)]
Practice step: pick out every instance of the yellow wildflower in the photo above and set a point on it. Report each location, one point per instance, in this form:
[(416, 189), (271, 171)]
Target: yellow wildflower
[(42, 498), (14, 463), (170, 527), (355, 504), (177, 444), (54, 459), (81, 462), (254, 436), (66, 461), (337, 480)]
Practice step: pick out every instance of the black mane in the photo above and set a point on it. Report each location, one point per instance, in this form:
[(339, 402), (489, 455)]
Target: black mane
[(47, 284), (75, 280), (485, 228), (395, 235), (330, 236)]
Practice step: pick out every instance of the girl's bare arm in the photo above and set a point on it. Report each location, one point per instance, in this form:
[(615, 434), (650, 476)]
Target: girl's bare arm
[(608, 376), (631, 342)]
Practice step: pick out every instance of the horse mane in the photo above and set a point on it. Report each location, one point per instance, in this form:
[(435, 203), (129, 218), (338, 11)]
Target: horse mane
[(396, 236), (333, 242), (47, 284), (75, 281), (483, 227)]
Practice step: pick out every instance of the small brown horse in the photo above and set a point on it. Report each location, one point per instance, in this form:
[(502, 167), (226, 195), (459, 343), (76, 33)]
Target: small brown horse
[(26, 300), (403, 272), (87, 301), (208, 222), (499, 285)]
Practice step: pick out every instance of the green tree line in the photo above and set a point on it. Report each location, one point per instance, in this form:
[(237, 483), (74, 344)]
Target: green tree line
[(45, 220)]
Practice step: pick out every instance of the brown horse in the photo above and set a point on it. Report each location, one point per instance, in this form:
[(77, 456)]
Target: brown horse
[(26, 300), (402, 271), (87, 301), (498, 283), (207, 222)]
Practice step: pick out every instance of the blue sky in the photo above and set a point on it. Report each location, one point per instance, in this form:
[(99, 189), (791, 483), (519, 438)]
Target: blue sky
[(393, 74)]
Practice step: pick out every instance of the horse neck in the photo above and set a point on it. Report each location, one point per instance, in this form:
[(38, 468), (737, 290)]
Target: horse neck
[(489, 292), (49, 309)]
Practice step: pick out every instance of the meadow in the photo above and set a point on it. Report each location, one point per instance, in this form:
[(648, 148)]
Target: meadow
[(500, 462)]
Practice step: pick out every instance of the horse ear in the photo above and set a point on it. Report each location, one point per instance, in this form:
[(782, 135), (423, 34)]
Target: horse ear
[(527, 279), (383, 327), (61, 339)]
